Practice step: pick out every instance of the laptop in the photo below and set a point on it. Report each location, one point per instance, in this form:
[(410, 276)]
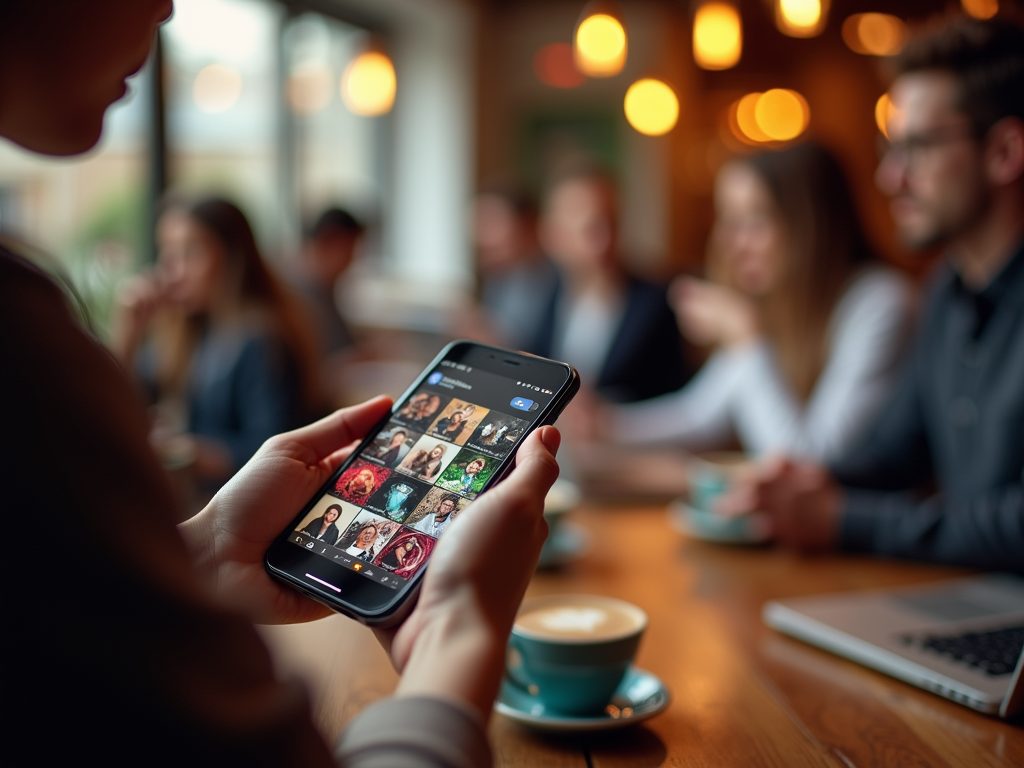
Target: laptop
[(962, 639)]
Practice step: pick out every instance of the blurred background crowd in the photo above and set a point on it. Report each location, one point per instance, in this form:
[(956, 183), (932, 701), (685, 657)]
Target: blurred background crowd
[(300, 201)]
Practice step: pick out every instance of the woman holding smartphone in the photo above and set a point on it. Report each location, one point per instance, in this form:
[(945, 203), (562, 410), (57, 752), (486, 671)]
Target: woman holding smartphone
[(807, 327), (159, 618)]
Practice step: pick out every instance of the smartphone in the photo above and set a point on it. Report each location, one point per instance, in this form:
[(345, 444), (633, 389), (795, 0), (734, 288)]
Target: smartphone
[(362, 544)]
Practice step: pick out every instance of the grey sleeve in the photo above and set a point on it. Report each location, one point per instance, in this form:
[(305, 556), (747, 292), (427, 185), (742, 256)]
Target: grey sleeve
[(982, 532), (416, 732)]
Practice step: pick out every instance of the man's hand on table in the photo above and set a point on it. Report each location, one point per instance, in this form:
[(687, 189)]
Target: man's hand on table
[(230, 536), (802, 500)]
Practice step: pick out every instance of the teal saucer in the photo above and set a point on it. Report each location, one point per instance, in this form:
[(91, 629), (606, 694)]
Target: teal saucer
[(639, 696)]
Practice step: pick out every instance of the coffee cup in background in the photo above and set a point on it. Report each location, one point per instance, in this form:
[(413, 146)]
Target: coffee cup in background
[(572, 651), (712, 474)]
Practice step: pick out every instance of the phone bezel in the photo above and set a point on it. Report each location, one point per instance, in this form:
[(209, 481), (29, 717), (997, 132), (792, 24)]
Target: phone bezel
[(365, 600)]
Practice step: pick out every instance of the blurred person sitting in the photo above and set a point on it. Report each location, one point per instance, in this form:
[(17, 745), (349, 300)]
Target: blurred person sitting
[(161, 616), (516, 278), (217, 341), (940, 476), (618, 331), (327, 252), (808, 328)]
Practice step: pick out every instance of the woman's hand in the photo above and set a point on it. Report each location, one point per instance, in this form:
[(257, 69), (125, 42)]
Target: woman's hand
[(709, 314), (230, 536), (453, 643), (138, 300)]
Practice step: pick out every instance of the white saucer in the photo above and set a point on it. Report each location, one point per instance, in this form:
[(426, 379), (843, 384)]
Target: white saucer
[(640, 696), (748, 529), (565, 543)]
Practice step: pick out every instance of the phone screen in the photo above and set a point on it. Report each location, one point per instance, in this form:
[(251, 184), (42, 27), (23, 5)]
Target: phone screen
[(451, 437)]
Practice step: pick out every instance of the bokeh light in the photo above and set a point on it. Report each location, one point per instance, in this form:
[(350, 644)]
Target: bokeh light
[(553, 64), (368, 84), (980, 9), (600, 46), (801, 18), (782, 114), (884, 113), (747, 120), (216, 88), (874, 34), (651, 107), (717, 36), (308, 89)]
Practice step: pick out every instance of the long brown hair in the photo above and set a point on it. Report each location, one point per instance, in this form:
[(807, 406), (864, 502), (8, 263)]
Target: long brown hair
[(249, 290), (824, 244)]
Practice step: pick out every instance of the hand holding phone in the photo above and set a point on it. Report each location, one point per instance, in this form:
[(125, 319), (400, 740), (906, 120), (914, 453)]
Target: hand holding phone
[(229, 538), (362, 543)]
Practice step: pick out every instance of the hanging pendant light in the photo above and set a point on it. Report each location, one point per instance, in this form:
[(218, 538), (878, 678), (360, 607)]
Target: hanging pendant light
[(600, 43)]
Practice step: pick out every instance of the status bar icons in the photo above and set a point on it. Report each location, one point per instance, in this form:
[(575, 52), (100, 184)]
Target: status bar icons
[(528, 385)]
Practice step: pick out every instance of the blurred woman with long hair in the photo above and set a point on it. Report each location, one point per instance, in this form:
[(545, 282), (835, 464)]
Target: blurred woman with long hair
[(217, 341), (807, 326)]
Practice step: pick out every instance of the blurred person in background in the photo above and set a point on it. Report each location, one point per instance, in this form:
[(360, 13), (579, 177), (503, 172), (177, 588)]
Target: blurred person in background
[(940, 475), (161, 616), (517, 279), (217, 341), (329, 246), (807, 326), (618, 331)]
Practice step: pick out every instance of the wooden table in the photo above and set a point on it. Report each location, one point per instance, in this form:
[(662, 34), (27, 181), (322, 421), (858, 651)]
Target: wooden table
[(743, 695)]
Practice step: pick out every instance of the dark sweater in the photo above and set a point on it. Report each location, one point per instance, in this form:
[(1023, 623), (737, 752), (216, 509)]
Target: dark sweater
[(941, 475)]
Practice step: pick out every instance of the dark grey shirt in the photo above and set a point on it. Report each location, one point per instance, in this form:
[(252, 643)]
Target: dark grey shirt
[(941, 475)]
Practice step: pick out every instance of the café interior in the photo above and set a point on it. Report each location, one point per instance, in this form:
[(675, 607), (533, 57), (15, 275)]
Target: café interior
[(451, 132)]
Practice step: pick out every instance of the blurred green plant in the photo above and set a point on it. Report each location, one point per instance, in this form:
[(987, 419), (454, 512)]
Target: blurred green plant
[(111, 245)]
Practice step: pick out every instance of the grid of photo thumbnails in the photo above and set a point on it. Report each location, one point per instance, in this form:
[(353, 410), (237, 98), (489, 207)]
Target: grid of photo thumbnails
[(387, 510)]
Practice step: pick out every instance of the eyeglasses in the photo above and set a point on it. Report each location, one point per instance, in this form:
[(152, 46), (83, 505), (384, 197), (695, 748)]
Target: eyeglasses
[(912, 148)]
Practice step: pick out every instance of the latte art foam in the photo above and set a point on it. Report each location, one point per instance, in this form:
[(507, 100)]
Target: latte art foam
[(582, 621)]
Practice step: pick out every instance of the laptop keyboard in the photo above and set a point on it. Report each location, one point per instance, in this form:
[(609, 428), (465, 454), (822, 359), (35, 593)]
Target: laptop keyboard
[(994, 653)]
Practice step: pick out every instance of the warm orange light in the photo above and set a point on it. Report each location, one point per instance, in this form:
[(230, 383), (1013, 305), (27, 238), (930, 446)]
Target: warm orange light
[(980, 9), (651, 107), (801, 18), (885, 111), (717, 36), (554, 66), (600, 46), (874, 34), (746, 119), (308, 89), (782, 114), (368, 84), (216, 88)]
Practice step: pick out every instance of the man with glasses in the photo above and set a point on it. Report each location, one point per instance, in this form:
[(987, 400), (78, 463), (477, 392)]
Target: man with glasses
[(941, 475)]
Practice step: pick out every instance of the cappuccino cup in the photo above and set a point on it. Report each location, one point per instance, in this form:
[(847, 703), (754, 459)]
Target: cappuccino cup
[(571, 651), (711, 475)]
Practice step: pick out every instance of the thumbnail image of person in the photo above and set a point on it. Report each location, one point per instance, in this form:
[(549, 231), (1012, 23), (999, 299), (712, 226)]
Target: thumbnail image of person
[(358, 483), (367, 535), (325, 528), (397, 497), (405, 554), (427, 459), (497, 434), (458, 421), (468, 473), (420, 411), (391, 446), (441, 510)]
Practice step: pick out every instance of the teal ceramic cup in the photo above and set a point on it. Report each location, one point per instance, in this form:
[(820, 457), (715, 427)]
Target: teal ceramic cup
[(573, 663)]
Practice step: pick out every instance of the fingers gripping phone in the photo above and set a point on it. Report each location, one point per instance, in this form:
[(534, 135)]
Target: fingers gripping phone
[(362, 544)]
